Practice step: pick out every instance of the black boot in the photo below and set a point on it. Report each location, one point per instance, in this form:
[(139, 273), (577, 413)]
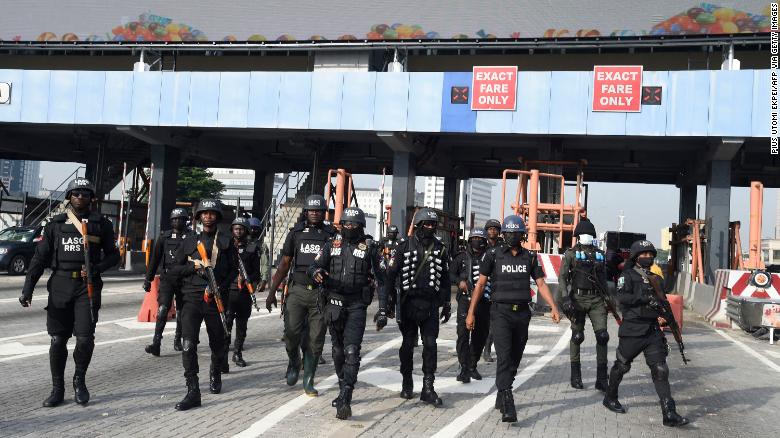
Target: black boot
[(293, 370), (428, 394), (465, 374), (215, 380), (177, 343), (237, 349), (57, 393), (192, 399), (344, 409), (475, 374), (154, 347), (611, 396), (407, 387), (576, 376), (499, 400), (310, 363), (508, 411), (671, 417), (337, 400), (602, 379), (80, 391), (225, 368)]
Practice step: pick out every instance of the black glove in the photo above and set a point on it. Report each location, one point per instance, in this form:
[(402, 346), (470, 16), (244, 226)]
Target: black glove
[(446, 312), (25, 300), (147, 285), (380, 318)]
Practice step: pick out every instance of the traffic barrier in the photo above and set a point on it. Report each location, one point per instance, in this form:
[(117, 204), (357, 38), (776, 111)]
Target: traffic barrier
[(148, 312), (676, 303)]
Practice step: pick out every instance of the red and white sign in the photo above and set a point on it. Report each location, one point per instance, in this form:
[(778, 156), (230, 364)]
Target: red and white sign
[(494, 89), (617, 88)]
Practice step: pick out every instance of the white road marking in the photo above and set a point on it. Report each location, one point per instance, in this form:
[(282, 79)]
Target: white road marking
[(13, 348), (773, 353), (134, 324), (264, 424), (31, 335), (750, 351), (486, 404), (388, 379), (103, 295)]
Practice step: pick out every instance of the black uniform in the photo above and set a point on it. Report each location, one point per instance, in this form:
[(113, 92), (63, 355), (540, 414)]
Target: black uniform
[(239, 305), (424, 287), (510, 314), (469, 345), (68, 308), (162, 259)]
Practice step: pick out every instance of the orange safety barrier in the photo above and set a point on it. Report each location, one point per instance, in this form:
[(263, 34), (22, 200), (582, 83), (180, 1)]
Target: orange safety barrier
[(148, 312), (676, 302)]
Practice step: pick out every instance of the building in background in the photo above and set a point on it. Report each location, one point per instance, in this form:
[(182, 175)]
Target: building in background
[(369, 201), (434, 192), (666, 238), (20, 176), (476, 198), (239, 185)]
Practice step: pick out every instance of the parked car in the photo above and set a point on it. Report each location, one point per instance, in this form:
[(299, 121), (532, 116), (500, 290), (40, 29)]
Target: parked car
[(17, 246)]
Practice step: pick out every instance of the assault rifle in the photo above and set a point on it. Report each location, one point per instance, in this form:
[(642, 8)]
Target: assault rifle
[(666, 312), (212, 291), (88, 269), (247, 282)]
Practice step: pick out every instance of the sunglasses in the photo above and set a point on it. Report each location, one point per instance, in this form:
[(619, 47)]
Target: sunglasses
[(81, 194)]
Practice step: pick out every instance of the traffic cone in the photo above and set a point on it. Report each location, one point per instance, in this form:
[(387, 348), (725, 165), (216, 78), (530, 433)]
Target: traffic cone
[(148, 312)]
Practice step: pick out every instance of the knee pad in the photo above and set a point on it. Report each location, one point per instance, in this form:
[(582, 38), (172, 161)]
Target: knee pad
[(429, 341), (622, 367), (659, 371), (85, 341), (162, 312), (59, 341), (338, 351), (352, 353), (602, 337), (577, 337), (188, 345)]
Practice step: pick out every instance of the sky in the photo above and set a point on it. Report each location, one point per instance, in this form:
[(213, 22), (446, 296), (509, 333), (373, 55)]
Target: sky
[(647, 207)]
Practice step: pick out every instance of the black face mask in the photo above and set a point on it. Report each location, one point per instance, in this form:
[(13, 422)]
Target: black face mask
[(425, 233), (513, 239), (351, 234), (478, 245), (644, 262)]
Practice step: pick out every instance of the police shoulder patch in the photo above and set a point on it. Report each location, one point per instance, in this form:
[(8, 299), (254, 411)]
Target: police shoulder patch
[(337, 243), (362, 246), (621, 282)]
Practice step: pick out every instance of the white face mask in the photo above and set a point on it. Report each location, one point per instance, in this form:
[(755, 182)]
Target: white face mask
[(586, 239)]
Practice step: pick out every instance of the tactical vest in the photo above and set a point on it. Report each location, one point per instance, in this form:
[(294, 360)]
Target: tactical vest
[(245, 251), (171, 242), (68, 249), (307, 242), (585, 260), (418, 278), (472, 265), (350, 266), (511, 279)]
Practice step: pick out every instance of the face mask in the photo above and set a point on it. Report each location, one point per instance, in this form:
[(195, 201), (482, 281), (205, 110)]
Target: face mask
[(586, 239), (425, 233), (513, 239), (644, 262), (477, 245), (351, 234)]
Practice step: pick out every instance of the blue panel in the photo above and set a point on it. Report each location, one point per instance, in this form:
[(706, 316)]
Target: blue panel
[(89, 97), (264, 99), (761, 108), (62, 96), (457, 117), (12, 112), (424, 110), (687, 106), (392, 99), (731, 103), (174, 98), (533, 103), (118, 99), (494, 121), (294, 100), (601, 122), (652, 119), (145, 106), (357, 101), (35, 96), (204, 99), (325, 112), (569, 105), (233, 99)]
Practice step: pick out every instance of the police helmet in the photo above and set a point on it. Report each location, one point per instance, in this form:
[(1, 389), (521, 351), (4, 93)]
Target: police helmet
[(392, 229), (425, 215), (354, 215), (209, 205), (80, 184), (641, 246), (492, 223), (477, 234), (255, 222), (179, 212), (314, 203), (513, 224), (244, 222), (585, 227)]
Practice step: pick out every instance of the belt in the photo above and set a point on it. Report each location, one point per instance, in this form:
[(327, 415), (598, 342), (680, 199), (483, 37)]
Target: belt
[(306, 286), (68, 274), (514, 307), (586, 291)]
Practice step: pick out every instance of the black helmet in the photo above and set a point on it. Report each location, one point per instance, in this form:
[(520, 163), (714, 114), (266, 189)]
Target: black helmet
[(425, 214), (477, 234), (80, 184), (585, 227), (392, 229), (179, 212), (240, 220), (314, 203), (255, 222), (209, 205), (513, 224), (492, 223), (641, 246), (354, 215)]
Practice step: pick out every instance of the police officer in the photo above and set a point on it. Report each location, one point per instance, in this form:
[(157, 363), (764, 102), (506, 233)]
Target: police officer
[(422, 263), (493, 236), (345, 267), (641, 332), (162, 256), (389, 242), (464, 273), (239, 301), (191, 270), (510, 268), (255, 235), (70, 310), (301, 246), (583, 270)]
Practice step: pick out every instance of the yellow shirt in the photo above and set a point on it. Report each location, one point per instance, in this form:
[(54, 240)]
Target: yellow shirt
[(655, 269)]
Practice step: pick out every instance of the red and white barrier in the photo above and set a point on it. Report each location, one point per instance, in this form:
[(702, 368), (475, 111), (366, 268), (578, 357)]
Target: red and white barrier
[(737, 283), (551, 265)]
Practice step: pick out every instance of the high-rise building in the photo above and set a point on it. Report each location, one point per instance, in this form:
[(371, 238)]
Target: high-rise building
[(20, 176), (239, 185), (434, 192), (477, 195)]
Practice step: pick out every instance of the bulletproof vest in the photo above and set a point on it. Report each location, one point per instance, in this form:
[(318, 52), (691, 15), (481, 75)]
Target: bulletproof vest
[(418, 278), (307, 243), (472, 265), (511, 280), (171, 242), (245, 251), (350, 265), (69, 252), (585, 260)]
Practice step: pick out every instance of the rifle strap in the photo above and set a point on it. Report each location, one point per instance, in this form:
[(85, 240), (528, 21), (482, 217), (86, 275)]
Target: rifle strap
[(660, 294), (77, 223)]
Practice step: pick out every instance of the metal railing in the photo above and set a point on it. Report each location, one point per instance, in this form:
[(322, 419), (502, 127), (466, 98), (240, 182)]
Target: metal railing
[(46, 206)]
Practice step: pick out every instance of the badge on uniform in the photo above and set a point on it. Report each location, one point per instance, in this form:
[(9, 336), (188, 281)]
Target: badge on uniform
[(621, 282), (362, 246), (173, 235), (337, 243)]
